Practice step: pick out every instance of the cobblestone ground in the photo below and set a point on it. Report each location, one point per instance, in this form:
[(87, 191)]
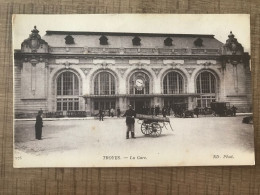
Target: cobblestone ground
[(194, 141)]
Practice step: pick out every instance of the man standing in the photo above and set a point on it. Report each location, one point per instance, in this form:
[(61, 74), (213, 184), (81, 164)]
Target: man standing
[(38, 126), (101, 114), (112, 112), (118, 112), (196, 111), (234, 110), (130, 115)]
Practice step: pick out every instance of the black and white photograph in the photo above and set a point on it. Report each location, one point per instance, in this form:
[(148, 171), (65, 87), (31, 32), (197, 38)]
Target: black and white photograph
[(132, 90)]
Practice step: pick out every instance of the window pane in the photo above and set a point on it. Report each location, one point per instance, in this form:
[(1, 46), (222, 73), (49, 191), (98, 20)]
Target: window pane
[(173, 83), (104, 84), (206, 83), (96, 107), (67, 84), (64, 108), (58, 106)]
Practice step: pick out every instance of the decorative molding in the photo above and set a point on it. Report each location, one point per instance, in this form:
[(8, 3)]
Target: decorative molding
[(190, 70), (131, 62), (202, 62), (86, 70), (51, 69), (67, 65), (157, 71), (121, 71), (62, 61), (103, 61), (166, 62)]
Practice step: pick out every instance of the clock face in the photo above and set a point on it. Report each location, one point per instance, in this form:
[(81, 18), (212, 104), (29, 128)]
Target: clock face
[(139, 82)]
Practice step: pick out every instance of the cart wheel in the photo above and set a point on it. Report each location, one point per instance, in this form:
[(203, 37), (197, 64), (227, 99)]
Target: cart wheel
[(146, 128), (156, 129)]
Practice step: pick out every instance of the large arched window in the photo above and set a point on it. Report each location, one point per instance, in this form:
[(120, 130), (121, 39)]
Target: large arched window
[(173, 83), (206, 84), (67, 91), (104, 84), (139, 83)]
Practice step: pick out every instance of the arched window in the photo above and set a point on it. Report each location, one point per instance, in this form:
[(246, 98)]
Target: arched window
[(139, 83), (67, 92), (173, 83), (206, 84), (104, 84)]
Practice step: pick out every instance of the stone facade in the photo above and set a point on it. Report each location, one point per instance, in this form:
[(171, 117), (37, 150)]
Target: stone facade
[(87, 70)]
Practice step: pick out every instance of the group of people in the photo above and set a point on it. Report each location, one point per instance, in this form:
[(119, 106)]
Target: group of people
[(111, 113), (154, 110), (130, 115), (165, 111)]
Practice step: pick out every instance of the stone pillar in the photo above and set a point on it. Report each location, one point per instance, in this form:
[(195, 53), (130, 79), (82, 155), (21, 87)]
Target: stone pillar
[(191, 103), (88, 106)]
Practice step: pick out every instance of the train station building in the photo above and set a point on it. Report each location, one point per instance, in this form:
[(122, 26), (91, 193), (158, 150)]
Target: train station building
[(85, 71)]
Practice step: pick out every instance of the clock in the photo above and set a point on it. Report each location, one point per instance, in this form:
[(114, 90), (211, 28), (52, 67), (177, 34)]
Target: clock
[(139, 83)]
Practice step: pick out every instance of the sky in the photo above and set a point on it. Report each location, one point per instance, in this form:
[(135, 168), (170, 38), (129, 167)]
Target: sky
[(219, 25)]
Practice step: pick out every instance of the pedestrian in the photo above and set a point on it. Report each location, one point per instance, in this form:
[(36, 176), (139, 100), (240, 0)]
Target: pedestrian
[(118, 111), (112, 112), (164, 111), (101, 114), (109, 112), (196, 111), (157, 110), (38, 126), (130, 115), (234, 110)]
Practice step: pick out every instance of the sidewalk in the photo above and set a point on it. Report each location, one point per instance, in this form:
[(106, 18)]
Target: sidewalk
[(106, 117)]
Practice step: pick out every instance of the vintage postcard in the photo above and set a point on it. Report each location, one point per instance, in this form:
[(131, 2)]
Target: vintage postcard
[(132, 90)]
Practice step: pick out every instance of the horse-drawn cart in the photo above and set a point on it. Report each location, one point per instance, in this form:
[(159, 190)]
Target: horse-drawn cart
[(152, 125)]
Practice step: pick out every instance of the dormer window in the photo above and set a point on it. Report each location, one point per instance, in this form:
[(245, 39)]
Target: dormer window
[(136, 41), (168, 42), (198, 42), (69, 39), (103, 40)]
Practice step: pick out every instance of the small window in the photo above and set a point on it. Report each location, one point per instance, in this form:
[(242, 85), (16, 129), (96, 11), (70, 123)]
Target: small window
[(136, 41), (69, 40), (198, 42), (103, 40), (168, 42)]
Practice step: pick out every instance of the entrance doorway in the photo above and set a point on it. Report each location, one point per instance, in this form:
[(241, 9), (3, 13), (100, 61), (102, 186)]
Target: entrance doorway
[(140, 105)]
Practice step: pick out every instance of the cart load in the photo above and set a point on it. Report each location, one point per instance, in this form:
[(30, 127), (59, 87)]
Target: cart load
[(152, 125)]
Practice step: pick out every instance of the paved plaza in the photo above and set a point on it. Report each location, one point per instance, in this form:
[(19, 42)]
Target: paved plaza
[(194, 141)]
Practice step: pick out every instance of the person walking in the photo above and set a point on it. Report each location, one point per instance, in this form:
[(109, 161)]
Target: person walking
[(38, 126), (130, 115), (196, 111), (164, 111), (234, 110), (118, 111), (112, 112), (101, 114)]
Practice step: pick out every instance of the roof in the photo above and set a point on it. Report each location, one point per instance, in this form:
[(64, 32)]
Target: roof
[(124, 39)]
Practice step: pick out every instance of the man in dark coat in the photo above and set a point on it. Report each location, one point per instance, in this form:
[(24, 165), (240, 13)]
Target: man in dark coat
[(130, 115), (101, 115), (164, 111), (38, 126), (118, 112), (234, 110), (196, 111)]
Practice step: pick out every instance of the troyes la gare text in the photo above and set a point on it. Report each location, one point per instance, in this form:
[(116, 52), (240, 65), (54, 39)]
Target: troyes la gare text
[(67, 71)]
